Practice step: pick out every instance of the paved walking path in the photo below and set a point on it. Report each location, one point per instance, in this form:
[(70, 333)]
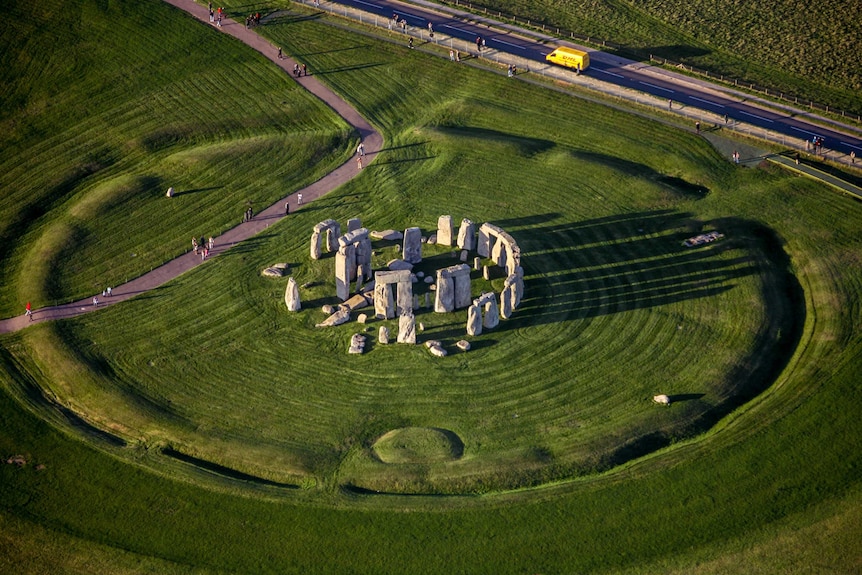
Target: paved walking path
[(370, 137)]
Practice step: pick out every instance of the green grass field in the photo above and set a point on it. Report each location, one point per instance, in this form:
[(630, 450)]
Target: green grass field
[(786, 46), (522, 455)]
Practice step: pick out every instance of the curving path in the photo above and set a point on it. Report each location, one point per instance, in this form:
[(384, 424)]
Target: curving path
[(370, 137)]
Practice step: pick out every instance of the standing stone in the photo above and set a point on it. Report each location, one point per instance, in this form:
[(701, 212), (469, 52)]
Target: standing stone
[(474, 320), (477, 263), (492, 314), (407, 328), (412, 252), (519, 285), (486, 273), (483, 245), (445, 300), (384, 300), (427, 299), (383, 335), (315, 245), (506, 302), (291, 296), (353, 224), (445, 230), (404, 302), (462, 288), (464, 255), (345, 270), (467, 235), (499, 253)]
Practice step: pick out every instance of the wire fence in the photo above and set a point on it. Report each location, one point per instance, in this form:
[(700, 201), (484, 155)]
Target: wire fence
[(463, 50), (765, 91)]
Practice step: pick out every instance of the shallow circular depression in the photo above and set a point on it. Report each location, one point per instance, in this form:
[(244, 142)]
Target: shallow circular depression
[(418, 445)]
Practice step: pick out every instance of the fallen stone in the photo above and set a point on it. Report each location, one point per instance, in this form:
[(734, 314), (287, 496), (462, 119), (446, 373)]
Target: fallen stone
[(328, 309), (429, 280), (432, 343), (421, 326), (420, 275), (358, 301), (399, 265), (291, 296), (437, 351), (337, 318), (275, 271), (390, 235), (361, 318), (463, 345), (432, 239)]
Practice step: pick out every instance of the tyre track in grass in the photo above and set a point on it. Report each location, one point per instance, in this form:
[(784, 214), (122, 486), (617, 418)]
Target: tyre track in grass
[(372, 139)]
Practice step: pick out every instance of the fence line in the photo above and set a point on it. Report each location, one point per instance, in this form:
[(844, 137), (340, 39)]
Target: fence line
[(709, 120)]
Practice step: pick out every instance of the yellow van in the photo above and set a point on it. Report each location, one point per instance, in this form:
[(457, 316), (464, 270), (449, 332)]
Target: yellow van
[(570, 58)]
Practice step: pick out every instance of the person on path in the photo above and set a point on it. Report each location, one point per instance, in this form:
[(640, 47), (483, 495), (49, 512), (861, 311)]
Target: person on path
[(211, 243), (509, 71), (452, 55), (669, 104), (286, 208), (195, 245), (95, 301), (304, 70), (279, 53), (360, 149), (479, 43), (410, 43), (110, 291), (430, 30), (359, 162), (852, 157), (28, 311), (697, 127), (298, 199), (726, 119), (296, 70), (212, 16)]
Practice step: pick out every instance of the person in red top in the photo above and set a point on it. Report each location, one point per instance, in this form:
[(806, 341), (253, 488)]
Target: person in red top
[(29, 312)]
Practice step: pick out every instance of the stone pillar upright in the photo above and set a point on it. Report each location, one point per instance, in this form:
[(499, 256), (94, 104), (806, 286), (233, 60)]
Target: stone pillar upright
[(463, 291), (345, 271), (506, 302), (407, 328), (291, 296), (353, 224), (499, 253), (315, 245), (412, 251), (384, 300), (467, 235), (445, 230), (404, 301), (492, 313), (444, 301), (483, 244), (474, 320)]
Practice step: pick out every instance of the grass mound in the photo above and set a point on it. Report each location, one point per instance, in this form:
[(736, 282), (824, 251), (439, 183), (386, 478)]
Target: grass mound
[(418, 445)]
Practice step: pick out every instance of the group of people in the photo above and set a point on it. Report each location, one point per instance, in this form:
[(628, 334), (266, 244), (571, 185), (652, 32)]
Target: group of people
[(203, 247), (298, 69), (512, 70), (252, 20), (216, 15)]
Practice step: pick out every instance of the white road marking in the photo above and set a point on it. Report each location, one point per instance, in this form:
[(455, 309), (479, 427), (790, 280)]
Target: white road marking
[(706, 101), (510, 44), (656, 87), (455, 28), (756, 116), (803, 131), (369, 4), (606, 72)]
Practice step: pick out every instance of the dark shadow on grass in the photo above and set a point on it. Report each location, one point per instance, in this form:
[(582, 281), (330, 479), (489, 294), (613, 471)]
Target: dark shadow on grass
[(222, 470), (684, 397), (404, 161), (349, 49), (414, 145), (196, 190), (286, 18), (345, 69)]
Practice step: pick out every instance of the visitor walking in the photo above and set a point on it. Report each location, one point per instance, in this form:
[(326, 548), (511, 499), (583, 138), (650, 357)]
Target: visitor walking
[(279, 53), (304, 70), (360, 149), (110, 291), (210, 245), (286, 208), (195, 245), (852, 157), (28, 311), (298, 199), (697, 127), (95, 301)]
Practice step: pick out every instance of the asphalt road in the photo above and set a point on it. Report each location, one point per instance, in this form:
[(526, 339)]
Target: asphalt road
[(620, 72)]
